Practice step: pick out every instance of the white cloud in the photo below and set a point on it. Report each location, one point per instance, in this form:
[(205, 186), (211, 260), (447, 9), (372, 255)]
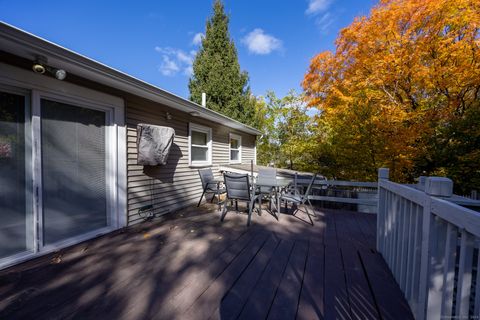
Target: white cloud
[(325, 22), (175, 60), (258, 42), (168, 66), (316, 6), (197, 39), (188, 71)]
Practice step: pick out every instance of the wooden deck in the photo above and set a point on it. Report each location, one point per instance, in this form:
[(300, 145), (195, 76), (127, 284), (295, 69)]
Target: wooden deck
[(191, 266)]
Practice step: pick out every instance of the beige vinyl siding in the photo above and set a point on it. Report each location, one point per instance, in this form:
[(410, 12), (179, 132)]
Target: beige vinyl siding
[(248, 148), (175, 185)]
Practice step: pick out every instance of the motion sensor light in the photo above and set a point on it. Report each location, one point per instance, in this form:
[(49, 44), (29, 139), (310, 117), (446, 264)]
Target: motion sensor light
[(60, 74)]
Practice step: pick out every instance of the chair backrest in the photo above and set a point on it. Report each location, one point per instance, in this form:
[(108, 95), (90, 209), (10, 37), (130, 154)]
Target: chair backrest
[(309, 188), (266, 176), (237, 185), (206, 176)]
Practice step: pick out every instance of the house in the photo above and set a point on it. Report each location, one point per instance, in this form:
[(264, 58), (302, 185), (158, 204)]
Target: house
[(68, 152)]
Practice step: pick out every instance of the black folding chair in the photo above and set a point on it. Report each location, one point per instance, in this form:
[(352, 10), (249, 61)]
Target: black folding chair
[(238, 189), (210, 185)]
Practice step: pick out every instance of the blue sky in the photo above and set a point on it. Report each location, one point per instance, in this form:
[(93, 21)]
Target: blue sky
[(155, 40)]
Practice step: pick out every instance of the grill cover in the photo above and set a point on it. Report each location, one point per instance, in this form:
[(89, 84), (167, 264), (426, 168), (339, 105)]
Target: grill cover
[(153, 144)]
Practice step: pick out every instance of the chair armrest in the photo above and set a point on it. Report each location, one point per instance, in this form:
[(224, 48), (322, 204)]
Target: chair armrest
[(213, 184)]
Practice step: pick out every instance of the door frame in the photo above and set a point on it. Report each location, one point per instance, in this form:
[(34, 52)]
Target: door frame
[(30, 221), (110, 165), (39, 86)]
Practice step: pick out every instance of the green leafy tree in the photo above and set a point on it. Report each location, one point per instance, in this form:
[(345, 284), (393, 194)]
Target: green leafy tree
[(454, 151), (289, 138), (266, 115), (216, 71)]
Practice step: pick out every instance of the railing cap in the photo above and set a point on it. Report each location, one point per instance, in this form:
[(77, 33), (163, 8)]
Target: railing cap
[(439, 186)]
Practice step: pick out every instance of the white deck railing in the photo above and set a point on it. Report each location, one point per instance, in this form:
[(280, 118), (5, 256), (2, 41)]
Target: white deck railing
[(431, 246)]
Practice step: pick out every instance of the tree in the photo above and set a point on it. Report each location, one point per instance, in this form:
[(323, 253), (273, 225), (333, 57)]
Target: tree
[(289, 139), (216, 71), (401, 81)]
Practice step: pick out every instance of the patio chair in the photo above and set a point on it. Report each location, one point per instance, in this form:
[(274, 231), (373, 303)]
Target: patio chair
[(299, 199), (266, 176), (238, 189), (210, 185)]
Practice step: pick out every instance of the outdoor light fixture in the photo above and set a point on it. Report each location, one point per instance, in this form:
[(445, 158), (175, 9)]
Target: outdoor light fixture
[(195, 113), (60, 74), (168, 116), (39, 64), (38, 68)]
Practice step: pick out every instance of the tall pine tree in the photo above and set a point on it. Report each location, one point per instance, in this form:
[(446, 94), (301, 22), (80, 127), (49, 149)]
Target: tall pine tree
[(216, 72)]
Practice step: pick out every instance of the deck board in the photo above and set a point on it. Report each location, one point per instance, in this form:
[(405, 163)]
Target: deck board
[(205, 305), (337, 305), (389, 298), (260, 300), (192, 266), (311, 305), (285, 303), (233, 301), (362, 301)]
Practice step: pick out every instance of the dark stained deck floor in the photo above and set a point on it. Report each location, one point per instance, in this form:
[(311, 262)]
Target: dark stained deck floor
[(192, 266)]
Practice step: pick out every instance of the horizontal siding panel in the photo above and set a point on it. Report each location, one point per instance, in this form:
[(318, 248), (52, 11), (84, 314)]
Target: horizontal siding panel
[(175, 179), (135, 218), (164, 200), (146, 193), (164, 172), (160, 189), (166, 206), (163, 196)]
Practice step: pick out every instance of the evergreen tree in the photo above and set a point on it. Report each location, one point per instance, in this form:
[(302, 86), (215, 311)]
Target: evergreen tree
[(216, 72)]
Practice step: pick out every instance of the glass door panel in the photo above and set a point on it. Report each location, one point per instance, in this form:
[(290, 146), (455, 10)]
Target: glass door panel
[(16, 227), (73, 170)]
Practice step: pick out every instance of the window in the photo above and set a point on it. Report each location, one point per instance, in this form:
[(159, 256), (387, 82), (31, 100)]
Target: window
[(235, 148), (200, 145)]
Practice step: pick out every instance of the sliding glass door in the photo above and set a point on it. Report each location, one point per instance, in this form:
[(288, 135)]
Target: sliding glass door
[(61, 192), (74, 170), (16, 218)]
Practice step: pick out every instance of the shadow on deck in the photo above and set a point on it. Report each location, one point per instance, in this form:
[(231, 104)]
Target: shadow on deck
[(192, 266)]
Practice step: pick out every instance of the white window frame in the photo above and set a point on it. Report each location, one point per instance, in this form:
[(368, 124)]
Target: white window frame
[(239, 138), (208, 132)]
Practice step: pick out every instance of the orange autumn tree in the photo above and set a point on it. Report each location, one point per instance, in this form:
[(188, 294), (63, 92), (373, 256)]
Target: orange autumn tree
[(397, 79)]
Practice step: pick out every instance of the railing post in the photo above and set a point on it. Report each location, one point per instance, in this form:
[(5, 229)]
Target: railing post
[(440, 187), (421, 183), (383, 174)]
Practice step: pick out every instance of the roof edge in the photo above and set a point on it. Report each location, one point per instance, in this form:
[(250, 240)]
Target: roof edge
[(116, 78)]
